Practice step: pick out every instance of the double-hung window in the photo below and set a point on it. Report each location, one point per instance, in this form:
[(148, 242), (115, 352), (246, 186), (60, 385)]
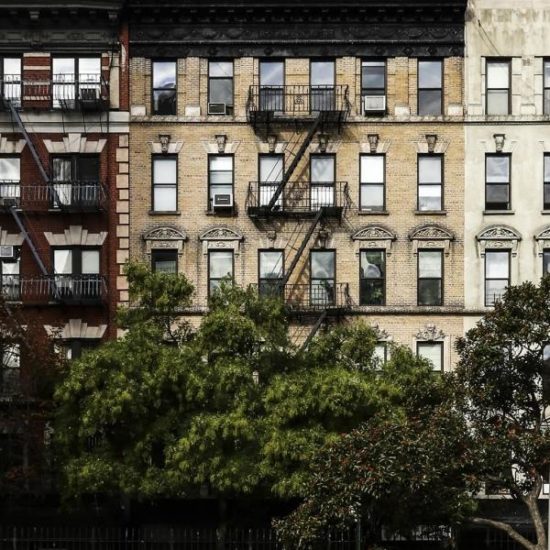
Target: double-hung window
[(220, 268), (546, 179), (322, 82), (430, 87), (498, 87), (497, 181), (10, 178), (432, 352), (373, 277), (271, 175), (10, 357), (220, 87), (323, 175), (75, 347), (10, 275), (75, 78), (76, 181), (546, 262), (373, 87), (220, 180), (430, 182), (497, 275), (164, 261), (373, 178), (272, 86), (10, 80), (430, 277), (76, 273), (271, 272), (323, 277), (165, 183), (546, 87), (165, 87)]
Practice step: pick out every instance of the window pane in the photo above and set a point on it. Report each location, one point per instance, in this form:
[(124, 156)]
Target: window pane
[(63, 66), (494, 290), (322, 265), (271, 169), (90, 262), (373, 74), (63, 261), (429, 197), (164, 102), (429, 292), (429, 102), (164, 171), (164, 199), (11, 357), (546, 196), (322, 169), (430, 263), (221, 264), (497, 102), (220, 163), (546, 168), (429, 169), (271, 265), (498, 194), (546, 262), (372, 169), (89, 68), (372, 264), (498, 169), (429, 74), (380, 352), (12, 67), (547, 74), (221, 91), (165, 262), (322, 73), (221, 69), (372, 197), (372, 292), (10, 168), (496, 265), (272, 73), (9, 268), (497, 74), (432, 352), (62, 169), (164, 74)]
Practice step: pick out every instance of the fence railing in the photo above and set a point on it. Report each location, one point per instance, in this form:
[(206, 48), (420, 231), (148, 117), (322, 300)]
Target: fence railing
[(317, 295)]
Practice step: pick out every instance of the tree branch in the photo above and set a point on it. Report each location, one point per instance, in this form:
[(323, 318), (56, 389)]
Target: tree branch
[(508, 529)]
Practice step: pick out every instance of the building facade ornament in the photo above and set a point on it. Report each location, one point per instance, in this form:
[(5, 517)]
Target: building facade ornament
[(75, 143), (76, 329), (10, 239), (381, 334), (11, 147), (164, 237), (543, 240), (430, 333), (76, 235), (373, 236), (499, 237), (431, 236), (221, 237)]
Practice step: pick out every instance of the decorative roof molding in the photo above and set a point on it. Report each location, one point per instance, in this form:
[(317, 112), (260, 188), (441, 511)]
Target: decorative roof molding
[(430, 333), (75, 143), (499, 237), (76, 235), (373, 236), (10, 147), (431, 236), (10, 239), (76, 329), (164, 237), (543, 240), (221, 237)]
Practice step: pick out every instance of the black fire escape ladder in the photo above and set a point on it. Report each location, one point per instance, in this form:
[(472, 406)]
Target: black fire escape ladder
[(30, 242), (314, 330), (297, 157)]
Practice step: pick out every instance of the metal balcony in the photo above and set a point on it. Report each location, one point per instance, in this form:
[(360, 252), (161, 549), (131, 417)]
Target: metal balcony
[(299, 201), (66, 289), (68, 92), (69, 196), (296, 102), (318, 296)]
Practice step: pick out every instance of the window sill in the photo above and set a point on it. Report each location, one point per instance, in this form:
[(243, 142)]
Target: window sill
[(373, 213), (545, 212), (499, 212), (430, 212), (228, 213), (164, 212)]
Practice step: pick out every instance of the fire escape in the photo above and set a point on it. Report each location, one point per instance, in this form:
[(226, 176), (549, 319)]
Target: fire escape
[(308, 111), (88, 93)]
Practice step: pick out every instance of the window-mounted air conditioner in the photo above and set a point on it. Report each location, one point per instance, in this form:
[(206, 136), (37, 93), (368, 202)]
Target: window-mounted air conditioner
[(7, 252), (221, 201), (374, 103), (217, 109)]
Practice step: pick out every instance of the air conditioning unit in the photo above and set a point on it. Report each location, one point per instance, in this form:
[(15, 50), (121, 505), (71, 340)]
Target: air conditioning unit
[(374, 103), (221, 201), (7, 252), (217, 109)]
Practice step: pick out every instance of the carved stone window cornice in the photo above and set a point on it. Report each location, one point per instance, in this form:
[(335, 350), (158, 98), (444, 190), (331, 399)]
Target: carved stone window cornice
[(543, 240), (164, 237), (221, 237), (430, 333), (76, 329), (431, 236), (10, 239), (373, 236), (498, 237)]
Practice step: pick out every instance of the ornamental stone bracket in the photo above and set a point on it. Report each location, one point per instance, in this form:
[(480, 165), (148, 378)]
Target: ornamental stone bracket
[(10, 239), (382, 145), (75, 143), (212, 146), (373, 236), (381, 334), (76, 329), (164, 237), (499, 237), (173, 147), (543, 240), (431, 236), (430, 333), (440, 148), (221, 237), (76, 235), (10, 147)]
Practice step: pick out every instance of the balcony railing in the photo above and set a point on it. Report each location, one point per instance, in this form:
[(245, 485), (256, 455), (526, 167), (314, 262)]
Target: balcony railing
[(317, 296), (66, 196), (86, 92), (298, 200), (297, 100), (68, 289)]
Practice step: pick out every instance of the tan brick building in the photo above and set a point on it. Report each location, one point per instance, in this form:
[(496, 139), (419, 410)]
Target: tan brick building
[(326, 159)]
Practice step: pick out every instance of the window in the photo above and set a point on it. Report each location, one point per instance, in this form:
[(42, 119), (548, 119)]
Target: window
[(220, 88), (10, 79), (373, 86), (75, 180), (433, 352), (165, 77), (75, 77), (271, 174), (165, 184), (497, 275), (220, 178), (323, 174), (430, 182), (323, 277), (430, 87), (497, 182), (546, 184), (10, 368), (10, 177), (272, 85), (546, 262), (271, 272), (373, 179), (381, 354), (75, 348), (546, 86), (498, 87), (76, 272), (430, 277), (373, 277), (322, 79), (10, 275), (220, 268), (164, 261)]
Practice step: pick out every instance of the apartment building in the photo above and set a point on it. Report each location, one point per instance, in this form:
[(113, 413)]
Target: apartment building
[(314, 150)]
